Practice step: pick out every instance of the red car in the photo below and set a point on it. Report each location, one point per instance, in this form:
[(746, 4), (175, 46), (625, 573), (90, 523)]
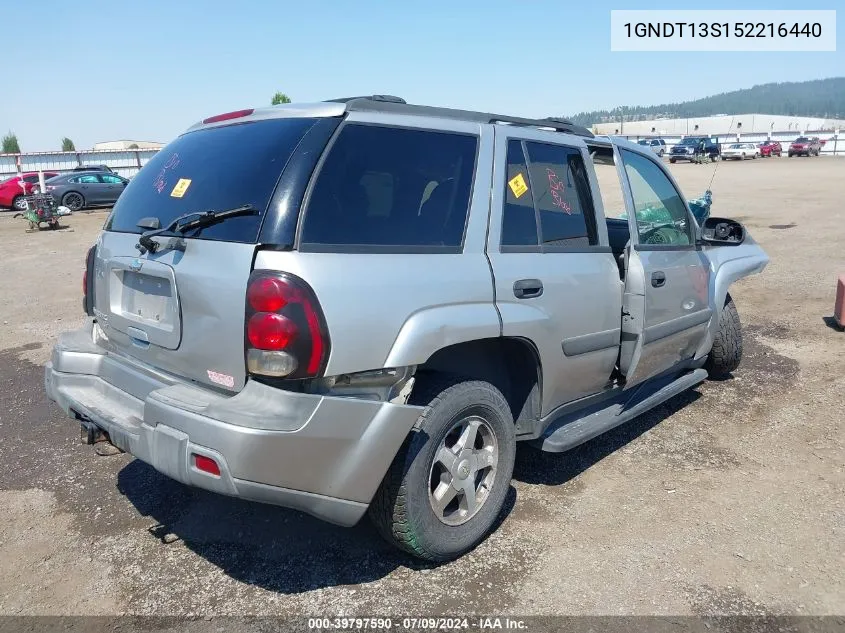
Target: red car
[(805, 146), (11, 193), (771, 148)]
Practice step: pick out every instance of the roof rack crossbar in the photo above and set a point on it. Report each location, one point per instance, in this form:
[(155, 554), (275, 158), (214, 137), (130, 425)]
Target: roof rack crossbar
[(378, 98)]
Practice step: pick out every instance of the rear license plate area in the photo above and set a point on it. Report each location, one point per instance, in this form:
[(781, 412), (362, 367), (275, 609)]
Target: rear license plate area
[(146, 298)]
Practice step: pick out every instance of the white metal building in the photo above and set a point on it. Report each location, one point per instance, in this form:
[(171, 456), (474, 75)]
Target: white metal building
[(127, 145), (721, 125)]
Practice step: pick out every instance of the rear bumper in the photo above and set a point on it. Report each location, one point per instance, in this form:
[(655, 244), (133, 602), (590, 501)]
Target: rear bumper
[(323, 455)]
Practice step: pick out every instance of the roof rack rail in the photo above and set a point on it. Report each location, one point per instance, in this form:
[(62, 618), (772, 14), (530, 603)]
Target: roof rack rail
[(560, 125), (379, 98), (389, 104)]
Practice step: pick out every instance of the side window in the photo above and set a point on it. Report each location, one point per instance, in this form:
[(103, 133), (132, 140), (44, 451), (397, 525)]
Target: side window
[(562, 195), (388, 186), (30, 179), (519, 220), (112, 180), (660, 211), (88, 179)]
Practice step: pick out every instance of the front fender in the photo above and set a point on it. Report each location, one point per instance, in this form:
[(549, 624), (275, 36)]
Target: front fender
[(727, 265)]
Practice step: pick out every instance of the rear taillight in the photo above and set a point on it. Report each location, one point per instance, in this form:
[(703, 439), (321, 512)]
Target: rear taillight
[(237, 114), (88, 282), (286, 334)]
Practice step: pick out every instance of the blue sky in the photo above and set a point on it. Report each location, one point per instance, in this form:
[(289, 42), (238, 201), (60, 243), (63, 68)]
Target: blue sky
[(147, 70)]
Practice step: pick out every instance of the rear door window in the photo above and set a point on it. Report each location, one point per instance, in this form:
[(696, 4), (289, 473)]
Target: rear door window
[(213, 168), (519, 219), (562, 196), (388, 188)]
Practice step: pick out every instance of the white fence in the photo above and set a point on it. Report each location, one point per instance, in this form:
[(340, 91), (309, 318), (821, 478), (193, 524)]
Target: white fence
[(124, 162), (832, 146)]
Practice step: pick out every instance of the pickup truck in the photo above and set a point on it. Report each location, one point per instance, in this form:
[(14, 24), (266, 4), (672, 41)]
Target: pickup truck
[(685, 150), (362, 305)]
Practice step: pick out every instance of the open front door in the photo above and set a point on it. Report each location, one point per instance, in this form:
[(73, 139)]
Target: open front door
[(665, 304)]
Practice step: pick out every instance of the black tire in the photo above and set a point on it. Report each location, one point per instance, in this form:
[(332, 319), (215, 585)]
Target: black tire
[(672, 160), (19, 203), (401, 510), (660, 153), (74, 201), (726, 353)]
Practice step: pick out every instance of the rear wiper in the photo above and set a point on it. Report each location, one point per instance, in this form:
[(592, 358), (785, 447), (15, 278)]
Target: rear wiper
[(183, 224)]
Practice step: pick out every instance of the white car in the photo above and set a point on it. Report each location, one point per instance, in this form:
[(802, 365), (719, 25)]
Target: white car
[(657, 145), (741, 151)]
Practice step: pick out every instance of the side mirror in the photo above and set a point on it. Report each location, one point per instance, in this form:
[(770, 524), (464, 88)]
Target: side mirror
[(722, 231)]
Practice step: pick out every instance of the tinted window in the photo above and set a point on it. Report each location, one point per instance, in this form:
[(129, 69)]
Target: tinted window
[(387, 186), (87, 179), (561, 195), (519, 220), (112, 180), (30, 179), (212, 169), (660, 211)]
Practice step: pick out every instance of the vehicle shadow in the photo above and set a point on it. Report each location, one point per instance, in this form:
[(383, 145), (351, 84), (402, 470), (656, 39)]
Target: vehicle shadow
[(830, 322), (274, 548), (534, 466)]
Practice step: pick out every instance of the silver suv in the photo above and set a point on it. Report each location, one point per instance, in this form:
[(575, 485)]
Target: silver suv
[(363, 305)]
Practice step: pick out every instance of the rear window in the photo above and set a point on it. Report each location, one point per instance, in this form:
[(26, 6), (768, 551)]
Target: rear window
[(387, 188), (212, 169)]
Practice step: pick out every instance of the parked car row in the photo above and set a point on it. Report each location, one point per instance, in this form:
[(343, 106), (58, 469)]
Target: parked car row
[(686, 148), (80, 188)]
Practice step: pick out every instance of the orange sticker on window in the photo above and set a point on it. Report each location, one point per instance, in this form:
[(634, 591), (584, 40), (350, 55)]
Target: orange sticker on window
[(518, 185), (180, 188)]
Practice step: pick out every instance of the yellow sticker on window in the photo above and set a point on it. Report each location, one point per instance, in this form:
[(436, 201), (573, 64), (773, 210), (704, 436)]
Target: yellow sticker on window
[(518, 185), (180, 188)]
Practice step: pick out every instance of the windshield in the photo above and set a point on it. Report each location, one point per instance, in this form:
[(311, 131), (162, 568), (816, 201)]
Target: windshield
[(212, 169), (802, 139), (691, 141)]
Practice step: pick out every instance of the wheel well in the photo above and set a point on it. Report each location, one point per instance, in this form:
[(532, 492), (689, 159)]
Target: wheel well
[(512, 365)]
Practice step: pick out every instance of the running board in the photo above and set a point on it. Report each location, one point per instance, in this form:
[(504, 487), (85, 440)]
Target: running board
[(573, 430)]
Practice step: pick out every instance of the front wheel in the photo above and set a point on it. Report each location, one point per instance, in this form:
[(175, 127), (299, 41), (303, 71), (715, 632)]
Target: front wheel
[(19, 203), (672, 160), (660, 153), (726, 353), (447, 485)]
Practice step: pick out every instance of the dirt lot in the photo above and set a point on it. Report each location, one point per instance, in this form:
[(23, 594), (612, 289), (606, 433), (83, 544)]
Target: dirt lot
[(728, 499)]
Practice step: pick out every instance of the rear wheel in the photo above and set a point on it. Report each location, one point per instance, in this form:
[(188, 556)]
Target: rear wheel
[(447, 485), (672, 160), (726, 353), (73, 201)]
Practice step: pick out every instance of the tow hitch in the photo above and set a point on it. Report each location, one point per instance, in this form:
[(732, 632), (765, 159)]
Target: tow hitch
[(90, 433)]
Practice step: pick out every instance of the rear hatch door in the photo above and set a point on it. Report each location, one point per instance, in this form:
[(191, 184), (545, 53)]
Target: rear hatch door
[(182, 311)]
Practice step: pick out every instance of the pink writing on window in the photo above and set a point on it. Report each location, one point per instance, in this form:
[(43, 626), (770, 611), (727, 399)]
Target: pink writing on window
[(160, 181), (558, 190)]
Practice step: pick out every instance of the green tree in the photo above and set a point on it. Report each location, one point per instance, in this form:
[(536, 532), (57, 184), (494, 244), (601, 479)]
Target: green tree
[(67, 145), (133, 146), (280, 97), (10, 144)]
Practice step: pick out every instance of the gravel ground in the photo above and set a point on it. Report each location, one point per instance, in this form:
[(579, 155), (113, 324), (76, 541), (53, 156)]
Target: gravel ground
[(727, 499)]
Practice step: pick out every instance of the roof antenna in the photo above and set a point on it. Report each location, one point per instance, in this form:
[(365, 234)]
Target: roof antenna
[(713, 177)]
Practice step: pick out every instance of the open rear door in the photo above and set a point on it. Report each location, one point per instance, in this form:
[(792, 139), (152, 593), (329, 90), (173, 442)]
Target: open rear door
[(665, 303)]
